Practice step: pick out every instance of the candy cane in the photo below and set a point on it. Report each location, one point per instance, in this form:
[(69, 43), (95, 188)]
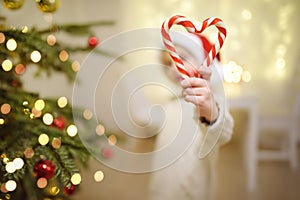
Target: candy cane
[(191, 28)]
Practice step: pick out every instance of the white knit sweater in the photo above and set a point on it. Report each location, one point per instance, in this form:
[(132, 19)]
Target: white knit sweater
[(188, 168)]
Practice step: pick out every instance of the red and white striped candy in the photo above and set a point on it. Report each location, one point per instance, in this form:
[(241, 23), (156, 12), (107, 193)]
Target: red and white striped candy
[(191, 28)]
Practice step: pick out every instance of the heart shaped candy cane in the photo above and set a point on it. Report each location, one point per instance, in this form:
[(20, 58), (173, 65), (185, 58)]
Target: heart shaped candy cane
[(191, 28)]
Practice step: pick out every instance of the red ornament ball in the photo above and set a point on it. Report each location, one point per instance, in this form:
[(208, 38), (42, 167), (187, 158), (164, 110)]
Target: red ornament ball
[(107, 153), (69, 191), (44, 169), (60, 122), (93, 41)]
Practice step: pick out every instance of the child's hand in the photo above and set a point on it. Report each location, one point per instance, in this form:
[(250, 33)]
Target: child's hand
[(198, 91)]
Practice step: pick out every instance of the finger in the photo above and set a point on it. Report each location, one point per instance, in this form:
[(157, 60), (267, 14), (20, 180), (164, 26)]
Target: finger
[(205, 72), (193, 82), (197, 100), (197, 91)]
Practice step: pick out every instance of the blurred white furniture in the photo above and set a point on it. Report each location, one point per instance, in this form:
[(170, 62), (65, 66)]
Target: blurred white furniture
[(252, 153), (249, 104), (287, 126)]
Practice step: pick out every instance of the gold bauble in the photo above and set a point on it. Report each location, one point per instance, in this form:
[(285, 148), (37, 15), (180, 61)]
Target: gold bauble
[(48, 6), (13, 4)]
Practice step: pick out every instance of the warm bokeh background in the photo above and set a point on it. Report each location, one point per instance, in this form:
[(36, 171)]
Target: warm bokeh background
[(263, 39)]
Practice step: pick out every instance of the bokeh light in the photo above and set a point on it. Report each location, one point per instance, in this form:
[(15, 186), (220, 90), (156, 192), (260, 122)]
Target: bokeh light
[(35, 56), (51, 40), (2, 37), (75, 66), (42, 182), (20, 69), (43, 139), (87, 114), (11, 44), (7, 65), (72, 130), (10, 168), (76, 179), (39, 104), (18, 163), (100, 130), (63, 55), (5, 108), (98, 176), (11, 185), (48, 119), (62, 102)]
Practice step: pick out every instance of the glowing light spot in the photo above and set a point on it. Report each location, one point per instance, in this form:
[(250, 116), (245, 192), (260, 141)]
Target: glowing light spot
[(75, 66), (29, 153), (112, 139), (236, 79), (7, 65), (98, 176), (32, 116), (18, 163), (62, 102), (100, 130), (10, 168), (63, 55), (72, 130), (56, 143), (35, 56), (87, 114), (51, 40), (39, 104), (3, 155), (5, 108), (2, 38), (43, 139), (11, 44), (11, 185), (5, 160), (3, 188), (25, 29), (246, 77), (76, 179), (36, 113), (1, 121), (42, 182), (233, 72), (48, 119), (20, 69)]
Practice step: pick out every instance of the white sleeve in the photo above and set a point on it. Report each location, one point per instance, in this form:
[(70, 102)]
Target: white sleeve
[(220, 132)]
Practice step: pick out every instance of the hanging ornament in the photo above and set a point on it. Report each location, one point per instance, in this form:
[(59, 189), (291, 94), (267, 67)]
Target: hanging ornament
[(60, 122), (106, 153), (45, 169), (70, 190), (15, 83), (48, 6), (13, 4), (93, 41)]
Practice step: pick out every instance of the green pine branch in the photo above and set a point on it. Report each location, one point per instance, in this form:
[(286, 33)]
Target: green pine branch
[(20, 129)]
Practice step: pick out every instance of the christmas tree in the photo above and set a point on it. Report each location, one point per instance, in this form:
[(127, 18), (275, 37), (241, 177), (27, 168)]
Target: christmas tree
[(38, 138)]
